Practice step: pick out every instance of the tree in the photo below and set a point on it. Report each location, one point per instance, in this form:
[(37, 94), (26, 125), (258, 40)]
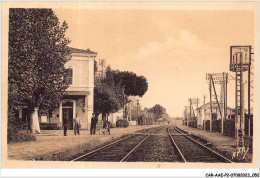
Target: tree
[(111, 92), (38, 52), (133, 85), (107, 95), (158, 110)]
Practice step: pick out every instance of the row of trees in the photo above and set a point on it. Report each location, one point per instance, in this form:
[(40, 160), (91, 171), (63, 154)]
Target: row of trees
[(37, 53), (112, 92), (148, 116)]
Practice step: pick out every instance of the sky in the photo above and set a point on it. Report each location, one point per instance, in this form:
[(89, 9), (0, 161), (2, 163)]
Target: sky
[(173, 49)]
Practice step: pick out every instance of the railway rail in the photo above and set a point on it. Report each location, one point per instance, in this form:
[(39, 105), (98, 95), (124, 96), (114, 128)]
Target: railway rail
[(194, 151), (161, 144), (118, 150)]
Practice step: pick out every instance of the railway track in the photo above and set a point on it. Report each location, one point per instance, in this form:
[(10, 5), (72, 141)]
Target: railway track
[(193, 151), (157, 148), (161, 144), (119, 150)]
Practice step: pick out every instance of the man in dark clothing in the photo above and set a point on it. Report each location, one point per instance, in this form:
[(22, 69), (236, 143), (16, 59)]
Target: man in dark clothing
[(65, 123), (94, 120)]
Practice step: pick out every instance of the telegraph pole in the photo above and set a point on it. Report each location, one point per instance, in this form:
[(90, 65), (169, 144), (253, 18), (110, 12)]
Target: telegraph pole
[(224, 103), (204, 97), (124, 104), (190, 109), (226, 93), (137, 104), (210, 94), (130, 108), (219, 78), (249, 112), (197, 111)]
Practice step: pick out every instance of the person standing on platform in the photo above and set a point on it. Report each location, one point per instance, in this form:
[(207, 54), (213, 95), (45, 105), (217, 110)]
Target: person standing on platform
[(77, 124), (65, 123), (94, 120)]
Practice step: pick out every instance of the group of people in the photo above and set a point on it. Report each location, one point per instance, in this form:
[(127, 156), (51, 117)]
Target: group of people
[(77, 125), (76, 121)]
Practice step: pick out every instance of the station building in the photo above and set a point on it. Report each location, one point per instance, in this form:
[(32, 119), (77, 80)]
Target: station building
[(80, 94)]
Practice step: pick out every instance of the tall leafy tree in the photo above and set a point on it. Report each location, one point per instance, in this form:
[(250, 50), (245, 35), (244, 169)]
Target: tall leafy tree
[(37, 53), (133, 85), (107, 95), (158, 111)]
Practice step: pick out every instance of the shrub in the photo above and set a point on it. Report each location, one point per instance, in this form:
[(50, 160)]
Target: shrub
[(207, 125), (14, 135), (216, 125), (48, 126), (229, 127), (122, 123)]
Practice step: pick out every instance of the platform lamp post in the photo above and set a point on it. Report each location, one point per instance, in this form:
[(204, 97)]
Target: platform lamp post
[(240, 59)]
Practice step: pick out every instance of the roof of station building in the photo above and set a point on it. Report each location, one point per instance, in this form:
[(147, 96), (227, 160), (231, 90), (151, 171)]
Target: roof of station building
[(87, 51)]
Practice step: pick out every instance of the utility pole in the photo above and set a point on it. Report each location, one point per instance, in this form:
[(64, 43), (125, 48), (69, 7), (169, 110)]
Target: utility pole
[(137, 104), (216, 97), (219, 78), (226, 93), (204, 110), (224, 103), (124, 105), (190, 109), (187, 115), (249, 86), (210, 95), (130, 108), (197, 112)]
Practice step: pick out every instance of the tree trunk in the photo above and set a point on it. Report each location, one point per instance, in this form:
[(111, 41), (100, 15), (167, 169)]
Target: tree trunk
[(35, 126)]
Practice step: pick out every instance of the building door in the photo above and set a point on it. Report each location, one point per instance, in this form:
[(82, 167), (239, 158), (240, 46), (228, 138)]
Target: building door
[(67, 107)]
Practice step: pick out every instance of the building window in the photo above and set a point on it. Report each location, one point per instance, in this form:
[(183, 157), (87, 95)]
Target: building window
[(69, 76)]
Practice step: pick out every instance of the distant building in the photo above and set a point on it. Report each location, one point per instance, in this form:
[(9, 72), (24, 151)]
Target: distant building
[(204, 113), (80, 94), (113, 117), (161, 121)]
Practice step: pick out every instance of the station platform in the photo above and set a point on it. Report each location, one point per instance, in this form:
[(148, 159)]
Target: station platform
[(224, 144), (52, 145)]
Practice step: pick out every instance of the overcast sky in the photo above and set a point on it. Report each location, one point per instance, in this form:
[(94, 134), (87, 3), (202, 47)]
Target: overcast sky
[(173, 49)]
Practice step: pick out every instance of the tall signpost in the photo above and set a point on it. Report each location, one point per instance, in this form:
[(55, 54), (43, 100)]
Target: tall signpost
[(240, 59)]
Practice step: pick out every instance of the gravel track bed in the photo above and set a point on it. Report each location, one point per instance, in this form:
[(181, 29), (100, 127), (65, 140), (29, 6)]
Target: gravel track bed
[(193, 152), (116, 151), (173, 130), (157, 148), (151, 130)]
